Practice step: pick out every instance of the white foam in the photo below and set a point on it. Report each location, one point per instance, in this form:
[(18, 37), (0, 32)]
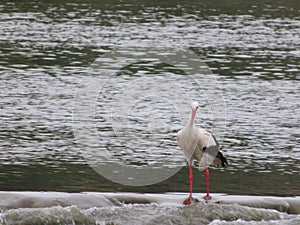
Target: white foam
[(132, 208), (12, 200)]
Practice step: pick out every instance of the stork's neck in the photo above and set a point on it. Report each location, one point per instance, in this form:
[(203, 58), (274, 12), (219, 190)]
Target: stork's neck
[(191, 122)]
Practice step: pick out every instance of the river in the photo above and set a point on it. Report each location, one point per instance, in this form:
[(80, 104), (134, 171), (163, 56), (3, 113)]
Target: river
[(48, 49)]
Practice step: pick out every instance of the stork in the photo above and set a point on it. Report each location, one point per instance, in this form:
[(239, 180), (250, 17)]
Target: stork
[(199, 144)]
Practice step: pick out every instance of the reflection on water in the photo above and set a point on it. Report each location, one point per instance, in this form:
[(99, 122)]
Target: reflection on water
[(252, 48)]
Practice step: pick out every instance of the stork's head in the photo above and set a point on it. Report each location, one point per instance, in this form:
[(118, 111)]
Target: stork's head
[(195, 106)]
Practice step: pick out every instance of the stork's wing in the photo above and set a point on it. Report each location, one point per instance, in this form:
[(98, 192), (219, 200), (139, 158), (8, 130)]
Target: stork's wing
[(213, 147), (219, 157), (210, 146)]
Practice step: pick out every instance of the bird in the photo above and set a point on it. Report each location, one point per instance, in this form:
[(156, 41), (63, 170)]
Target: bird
[(200, 145)]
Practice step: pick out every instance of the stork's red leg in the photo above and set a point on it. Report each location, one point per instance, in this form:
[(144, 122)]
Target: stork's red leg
[(207, 197), (190, 199), (191, 179)]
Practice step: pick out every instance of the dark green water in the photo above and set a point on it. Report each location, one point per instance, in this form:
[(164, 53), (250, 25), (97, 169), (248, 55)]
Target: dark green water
[(253, 48)]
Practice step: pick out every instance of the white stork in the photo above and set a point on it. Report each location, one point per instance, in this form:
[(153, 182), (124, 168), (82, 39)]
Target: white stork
[(198, 144)]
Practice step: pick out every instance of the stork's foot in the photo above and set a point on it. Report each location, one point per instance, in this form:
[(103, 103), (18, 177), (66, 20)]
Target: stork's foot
[(190, 200), (207, 197)]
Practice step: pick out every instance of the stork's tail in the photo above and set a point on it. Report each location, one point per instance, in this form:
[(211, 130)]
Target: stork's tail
[(222, 159)]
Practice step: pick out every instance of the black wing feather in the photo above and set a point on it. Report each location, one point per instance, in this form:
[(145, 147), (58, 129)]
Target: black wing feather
[(214, 151)]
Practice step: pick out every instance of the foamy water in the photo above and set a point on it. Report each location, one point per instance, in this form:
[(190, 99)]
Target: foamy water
[(129, 208)]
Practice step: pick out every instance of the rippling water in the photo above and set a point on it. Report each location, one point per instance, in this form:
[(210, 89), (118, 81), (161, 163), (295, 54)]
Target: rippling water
[(251, 48)]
